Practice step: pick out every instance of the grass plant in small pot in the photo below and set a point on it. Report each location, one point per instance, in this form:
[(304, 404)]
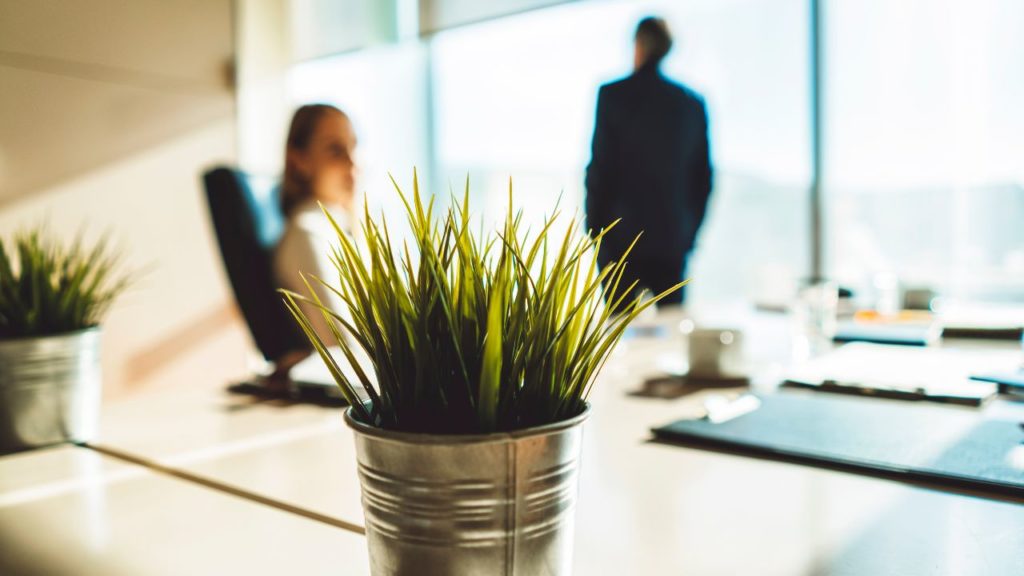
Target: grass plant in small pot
[(482, 351), (52, 298)]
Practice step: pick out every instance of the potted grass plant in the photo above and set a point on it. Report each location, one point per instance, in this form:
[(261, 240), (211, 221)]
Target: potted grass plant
[(52, 298), (482, 351)]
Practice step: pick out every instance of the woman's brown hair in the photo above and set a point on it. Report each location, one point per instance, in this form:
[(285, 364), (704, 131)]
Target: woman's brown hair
[(295, 188)]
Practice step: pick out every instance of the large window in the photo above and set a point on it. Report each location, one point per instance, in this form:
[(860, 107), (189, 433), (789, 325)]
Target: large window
[(382, 89), (516, 97), (924, 143), (923, 131)]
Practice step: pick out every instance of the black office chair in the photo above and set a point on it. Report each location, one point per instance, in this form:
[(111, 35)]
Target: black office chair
[(248, 221)]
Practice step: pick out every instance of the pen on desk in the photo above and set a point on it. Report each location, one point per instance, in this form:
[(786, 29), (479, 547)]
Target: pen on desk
[(719, 409)]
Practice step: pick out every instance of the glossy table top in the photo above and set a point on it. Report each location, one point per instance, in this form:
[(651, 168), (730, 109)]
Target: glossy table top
[(85, 514), (644, 508)]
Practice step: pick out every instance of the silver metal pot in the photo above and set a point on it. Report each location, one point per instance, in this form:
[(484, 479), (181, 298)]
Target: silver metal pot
[(500, 504), (50, 389)]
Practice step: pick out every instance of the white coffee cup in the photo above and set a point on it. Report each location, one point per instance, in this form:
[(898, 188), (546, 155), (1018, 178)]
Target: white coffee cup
[(716, 353)]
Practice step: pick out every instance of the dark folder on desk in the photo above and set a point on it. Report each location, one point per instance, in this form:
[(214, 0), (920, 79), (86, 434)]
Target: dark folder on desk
[(941, 445)]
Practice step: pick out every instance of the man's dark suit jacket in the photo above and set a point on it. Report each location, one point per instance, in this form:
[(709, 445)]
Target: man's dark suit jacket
[(650, 167)]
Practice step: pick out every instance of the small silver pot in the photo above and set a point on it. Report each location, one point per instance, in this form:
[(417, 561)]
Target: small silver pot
[(50, 389), (500, 504)]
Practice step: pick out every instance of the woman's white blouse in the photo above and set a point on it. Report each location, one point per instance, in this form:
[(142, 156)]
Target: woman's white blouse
[(306, 246)]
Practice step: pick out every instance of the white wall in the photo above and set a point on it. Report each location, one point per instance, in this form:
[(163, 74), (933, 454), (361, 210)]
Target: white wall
[(109, 113), (264, 54)]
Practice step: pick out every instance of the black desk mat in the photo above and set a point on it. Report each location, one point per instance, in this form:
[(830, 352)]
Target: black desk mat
[(949, 446)]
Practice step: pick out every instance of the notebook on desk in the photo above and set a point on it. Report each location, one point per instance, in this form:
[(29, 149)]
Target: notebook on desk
[(935, 374), (997, 322), (889, 332), (919, 328), (942, 445)]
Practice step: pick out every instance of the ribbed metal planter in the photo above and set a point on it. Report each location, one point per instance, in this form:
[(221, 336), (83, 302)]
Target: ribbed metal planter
[(497, 504), (50, 389)]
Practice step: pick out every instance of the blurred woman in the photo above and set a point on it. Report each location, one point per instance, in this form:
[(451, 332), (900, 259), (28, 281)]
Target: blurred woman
[(319, 170)]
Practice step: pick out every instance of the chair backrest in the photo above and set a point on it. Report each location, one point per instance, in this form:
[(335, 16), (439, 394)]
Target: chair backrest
[(248, 222)]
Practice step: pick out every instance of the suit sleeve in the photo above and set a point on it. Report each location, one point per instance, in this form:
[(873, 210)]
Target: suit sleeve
[(599, 170), (702, 176)]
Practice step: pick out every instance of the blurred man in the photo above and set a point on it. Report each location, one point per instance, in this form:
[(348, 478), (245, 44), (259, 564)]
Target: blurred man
[(649, 166)]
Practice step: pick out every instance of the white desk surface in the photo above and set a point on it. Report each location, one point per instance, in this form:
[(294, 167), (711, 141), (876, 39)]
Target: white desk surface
[(643, 509), (84, 514)]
